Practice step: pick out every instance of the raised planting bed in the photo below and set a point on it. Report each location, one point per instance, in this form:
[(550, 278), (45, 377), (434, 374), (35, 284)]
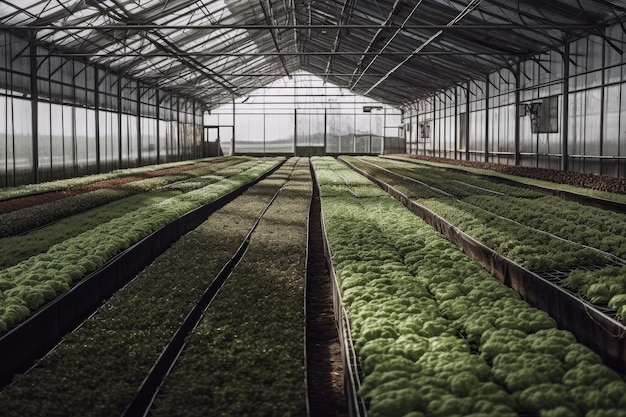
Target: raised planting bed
[(601, 186), (156, 227), (436, 334), (30, 194), (591, 325), (600, 199), (246, 357), (584, 225), (482, 213), (51, 207), (471, 200), (547, 235), (144, 193), (99, 367)]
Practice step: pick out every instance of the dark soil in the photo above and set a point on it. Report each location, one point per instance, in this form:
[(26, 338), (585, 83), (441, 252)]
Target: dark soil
[(578, 179), (324, 363)]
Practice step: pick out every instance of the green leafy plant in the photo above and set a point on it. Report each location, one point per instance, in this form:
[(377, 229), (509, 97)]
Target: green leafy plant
[(435, 333)]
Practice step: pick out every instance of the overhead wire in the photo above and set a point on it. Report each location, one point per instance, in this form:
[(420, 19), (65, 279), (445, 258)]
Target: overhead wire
[(466, 11)]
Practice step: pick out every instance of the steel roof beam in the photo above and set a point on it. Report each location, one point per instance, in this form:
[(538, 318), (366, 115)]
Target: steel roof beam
[(274, 37), (325, 27), (346, 13)]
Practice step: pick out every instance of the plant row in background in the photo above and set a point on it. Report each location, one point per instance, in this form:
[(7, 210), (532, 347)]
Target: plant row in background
[(508, 224), (146, 192), (64, 184), (586, 225), (436, 335), (28, 285), (599, 186), (534, 250), (99, 367), (28, 218), (246, 357)]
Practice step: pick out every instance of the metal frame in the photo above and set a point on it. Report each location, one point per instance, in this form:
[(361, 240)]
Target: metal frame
[(389, 50)]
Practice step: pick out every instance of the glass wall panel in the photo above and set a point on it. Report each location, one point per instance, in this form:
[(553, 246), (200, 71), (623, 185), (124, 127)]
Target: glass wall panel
[(164, 141), (82, 146), (6, 145), (279, 130), (92, 148), (130, 148), (250, 130), (226, 139), (22, 133), (108, 157), (148, 141), (592, 122), (44, 142), (68, 162), (310, 128), (57, 125)]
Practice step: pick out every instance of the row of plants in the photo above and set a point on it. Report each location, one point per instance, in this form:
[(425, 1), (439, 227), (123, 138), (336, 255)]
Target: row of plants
[(545, 178), (28, 218), (28, 285), (478, 215), (586, 225), (19, 248), (535, 251), (98, 368), (63, 184), (23, 246), (603, 286), (436, 335), (246, 357), (454, 184)]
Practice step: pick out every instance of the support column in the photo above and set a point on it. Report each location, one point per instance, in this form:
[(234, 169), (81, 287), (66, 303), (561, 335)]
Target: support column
[(602, 109), (517, 75), (232, 144), (432, 128), (120, 142), (158, 127), (138, 98), (193, 130), (178, 130), (96, 95), (467, 122), (382, 146), (487, 120), (295, 131), (325, 129), (34, 95), (457, 131), (565, 120)]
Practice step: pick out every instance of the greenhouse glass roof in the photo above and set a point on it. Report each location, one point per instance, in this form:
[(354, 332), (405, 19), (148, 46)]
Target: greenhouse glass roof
[(393, 51)]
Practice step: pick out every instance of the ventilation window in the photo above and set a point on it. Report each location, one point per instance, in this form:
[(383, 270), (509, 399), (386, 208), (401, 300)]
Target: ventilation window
[(544, 115)]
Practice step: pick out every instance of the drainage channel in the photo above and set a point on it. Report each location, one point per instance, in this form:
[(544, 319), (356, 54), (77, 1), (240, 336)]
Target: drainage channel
[(325, 370)]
